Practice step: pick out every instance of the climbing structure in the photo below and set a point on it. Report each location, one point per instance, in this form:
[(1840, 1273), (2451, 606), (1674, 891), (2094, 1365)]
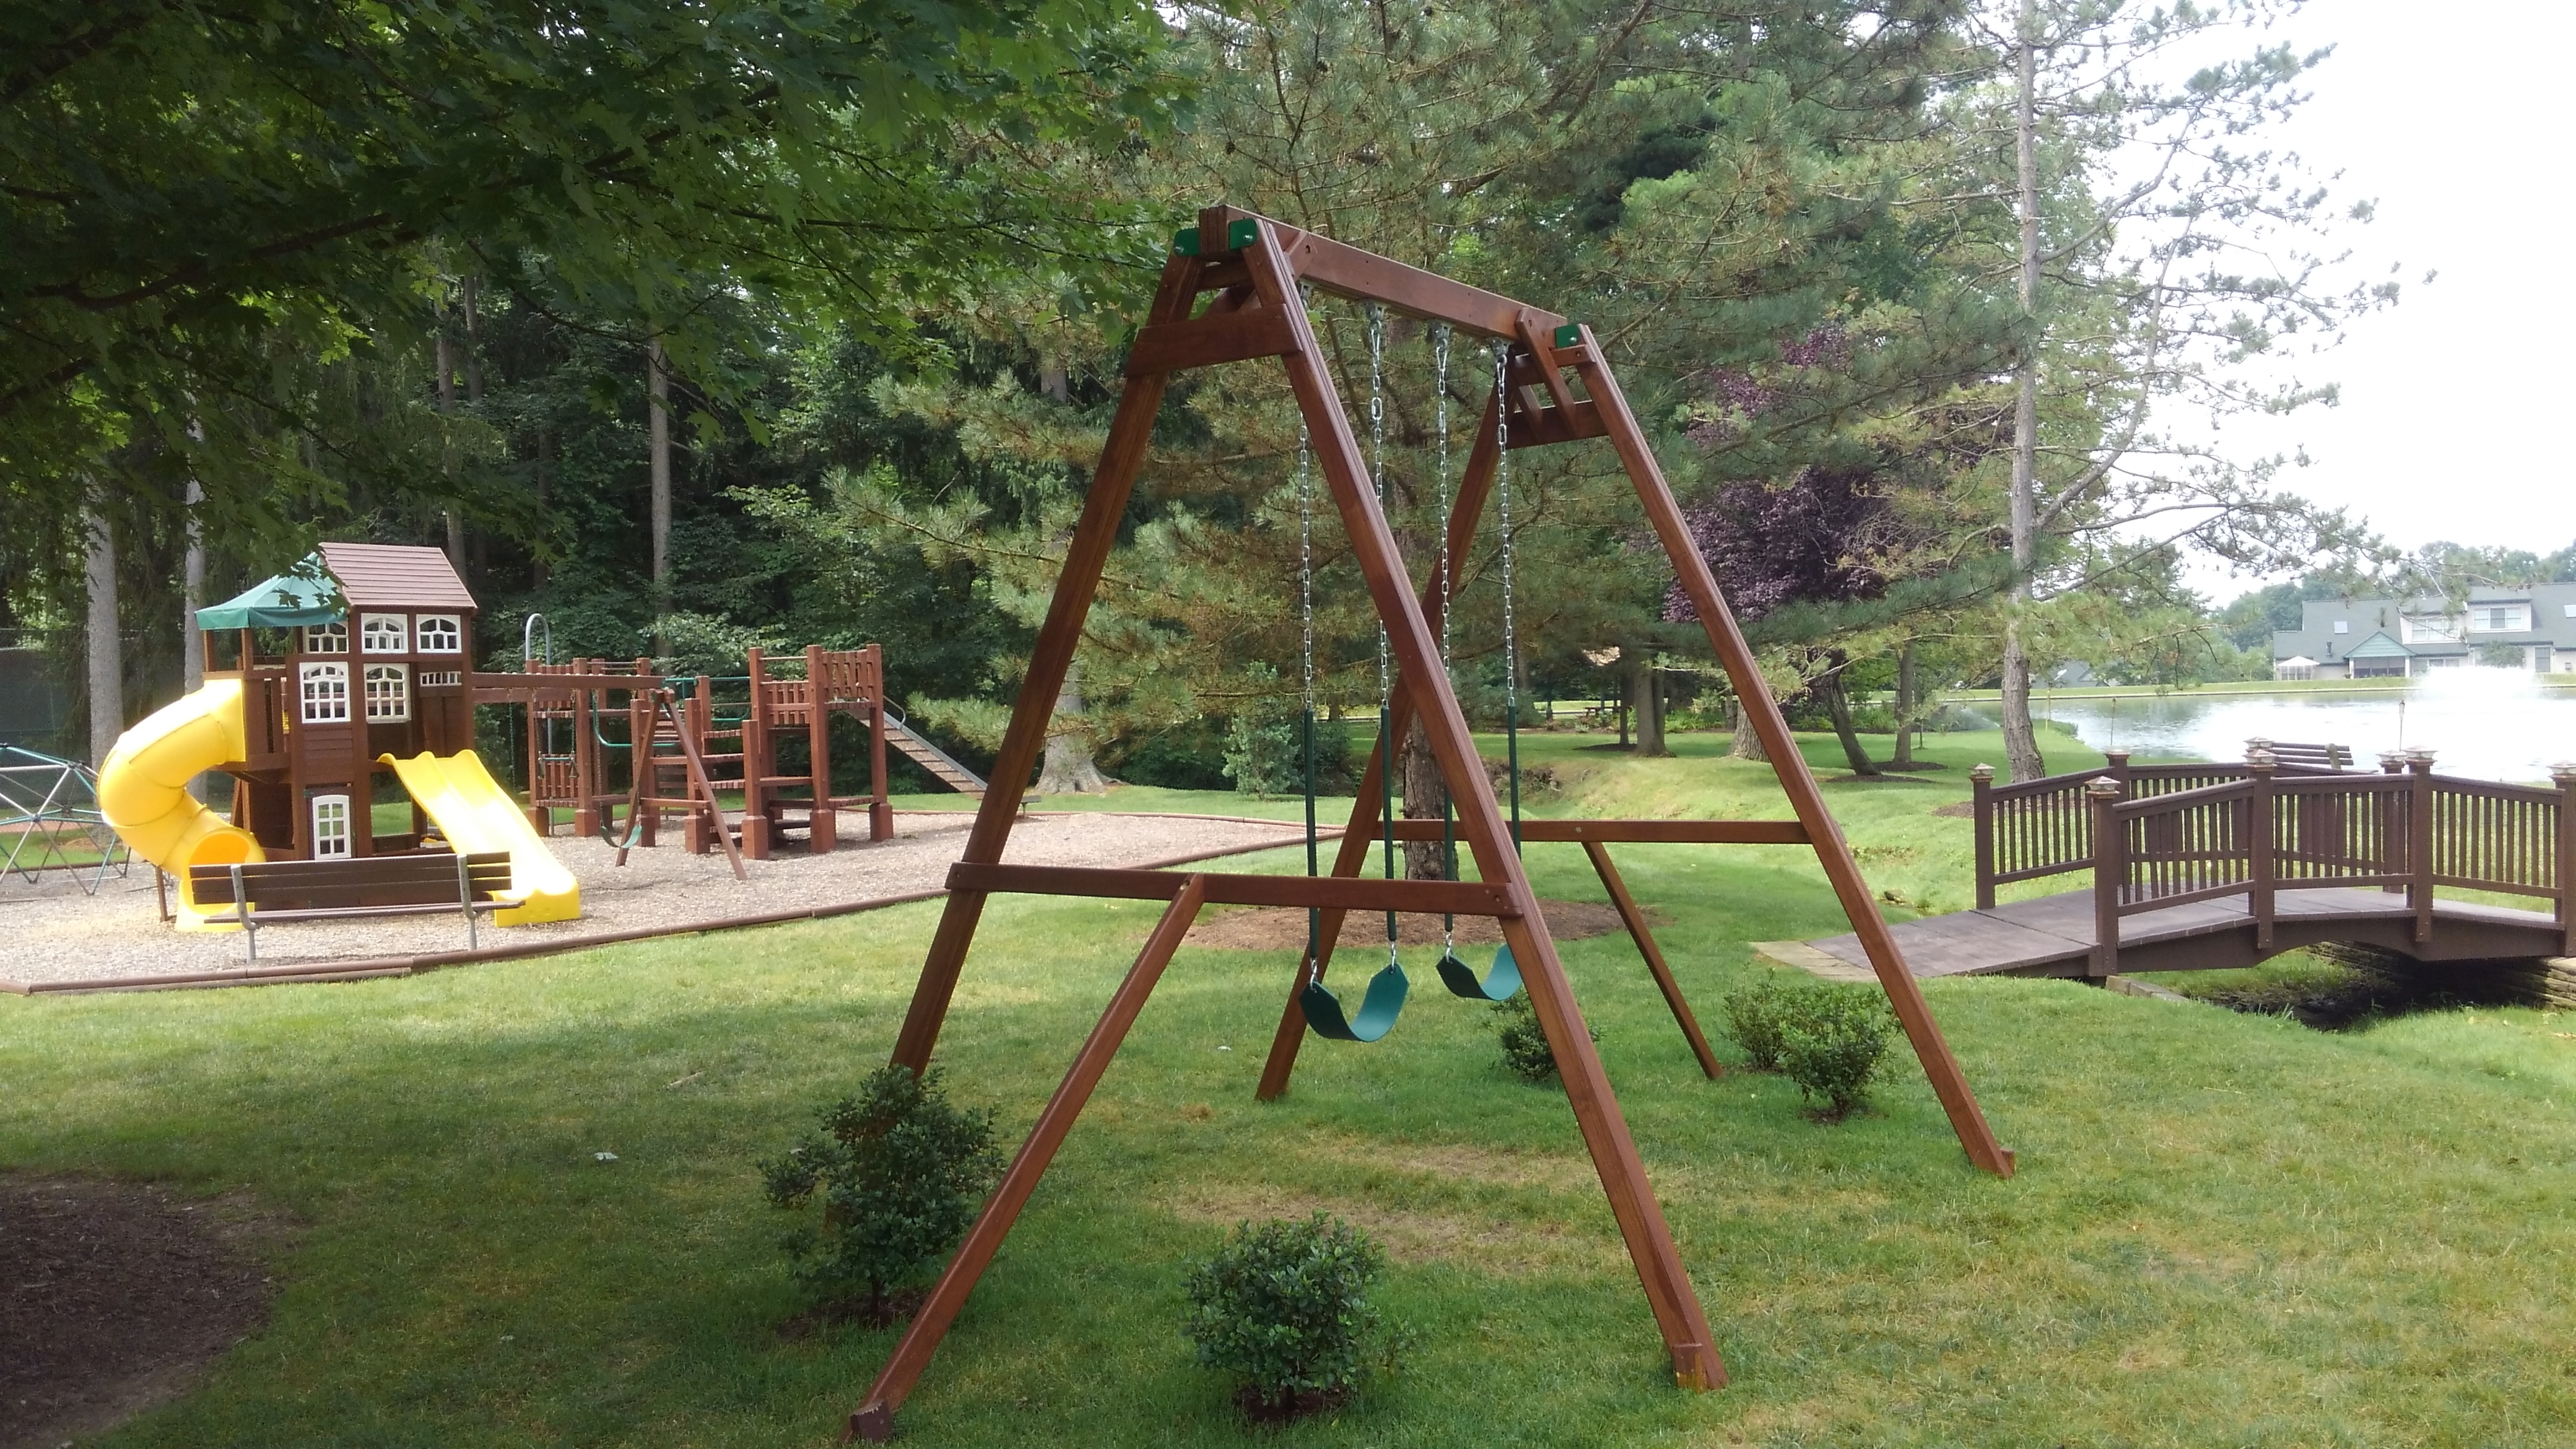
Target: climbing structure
[(1255, 267)]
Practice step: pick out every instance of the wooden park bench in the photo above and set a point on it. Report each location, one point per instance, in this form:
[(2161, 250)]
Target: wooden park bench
[(2312, 757), (269, 892)]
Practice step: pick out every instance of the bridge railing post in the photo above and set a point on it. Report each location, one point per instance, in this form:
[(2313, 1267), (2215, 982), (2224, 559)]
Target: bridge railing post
[(2259, 844), (2110, 874), (2563, 775), (2419, 845), (2392, 840), (1981, 785), (2115, 763)]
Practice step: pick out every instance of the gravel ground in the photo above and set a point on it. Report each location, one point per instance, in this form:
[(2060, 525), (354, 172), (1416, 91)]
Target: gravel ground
[(52, 932)]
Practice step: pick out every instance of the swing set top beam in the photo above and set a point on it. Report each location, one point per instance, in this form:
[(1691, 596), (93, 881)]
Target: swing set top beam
[(1346, 271)]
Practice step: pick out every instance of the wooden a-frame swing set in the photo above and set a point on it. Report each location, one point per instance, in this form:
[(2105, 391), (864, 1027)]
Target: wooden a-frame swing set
[(1256, 268)]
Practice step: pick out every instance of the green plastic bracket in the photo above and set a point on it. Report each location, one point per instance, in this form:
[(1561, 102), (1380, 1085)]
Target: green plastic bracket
[(1569, 335), (1238, 235)]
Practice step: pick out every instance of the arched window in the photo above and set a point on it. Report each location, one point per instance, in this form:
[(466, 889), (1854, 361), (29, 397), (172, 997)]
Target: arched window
[(326, 638), (388, 693), (384, 634), (440, 634), (325, 689)]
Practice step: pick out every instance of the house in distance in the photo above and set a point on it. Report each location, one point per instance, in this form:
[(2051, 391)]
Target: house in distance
[(2529, 629)]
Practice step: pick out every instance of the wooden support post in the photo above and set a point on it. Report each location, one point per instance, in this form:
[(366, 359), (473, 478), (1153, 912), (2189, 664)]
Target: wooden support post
[(1981, 794), (2260, 845), (2110, 873), (874, 1420), (2419, 843), (822, 822), (1635, 920), (1833, 852), (2563, 775), (2393, 830), (880, 813), (758, 749)]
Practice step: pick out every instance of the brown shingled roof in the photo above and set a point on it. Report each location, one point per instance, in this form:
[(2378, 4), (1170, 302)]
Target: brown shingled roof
[(395, 576)]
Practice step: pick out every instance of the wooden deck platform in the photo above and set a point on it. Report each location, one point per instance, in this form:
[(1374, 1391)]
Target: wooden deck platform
[(2054, 935)]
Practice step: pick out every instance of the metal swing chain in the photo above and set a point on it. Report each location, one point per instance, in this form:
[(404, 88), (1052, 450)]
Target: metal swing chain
[(1511, 638), (1385, 668), (1306, 656), (1448, 598)]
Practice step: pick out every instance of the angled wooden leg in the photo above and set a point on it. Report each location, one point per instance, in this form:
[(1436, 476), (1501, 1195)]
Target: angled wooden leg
[(1415, 650), (1614, 1156), (1474, 487), (1949, 1083), (1129, 435), (874, 1420), (1654, 954)]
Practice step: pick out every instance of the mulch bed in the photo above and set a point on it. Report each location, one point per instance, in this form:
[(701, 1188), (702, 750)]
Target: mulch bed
[(1283, 928), (114, 1297)]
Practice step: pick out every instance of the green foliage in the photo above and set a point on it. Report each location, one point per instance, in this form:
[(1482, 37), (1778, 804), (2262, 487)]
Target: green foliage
[(1525, 1050), (1283, 1309), (900, 1173), (1753, 1014), (1831, 1039)]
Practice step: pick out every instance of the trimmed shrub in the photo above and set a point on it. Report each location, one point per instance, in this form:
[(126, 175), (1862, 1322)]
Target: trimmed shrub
[(1831, 1040), (1283, 1309), (900, 1173), (1753, 1014), (1525, 1049)]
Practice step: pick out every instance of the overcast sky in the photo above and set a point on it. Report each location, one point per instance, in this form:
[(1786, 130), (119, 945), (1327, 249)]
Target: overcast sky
[(2453, 418)]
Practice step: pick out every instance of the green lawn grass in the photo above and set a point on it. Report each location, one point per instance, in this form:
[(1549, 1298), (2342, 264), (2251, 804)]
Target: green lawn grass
[(2226, 1229)]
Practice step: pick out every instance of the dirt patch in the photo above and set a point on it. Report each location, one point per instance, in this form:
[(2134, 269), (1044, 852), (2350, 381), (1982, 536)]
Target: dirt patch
[(1957, 810), (1283, 928), (115, 1296), (899, 1306), (1270, 1413)]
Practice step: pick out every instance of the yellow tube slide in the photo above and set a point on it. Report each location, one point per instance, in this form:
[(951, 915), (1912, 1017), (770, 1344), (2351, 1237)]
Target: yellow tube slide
[(477, 815), (143, 787)]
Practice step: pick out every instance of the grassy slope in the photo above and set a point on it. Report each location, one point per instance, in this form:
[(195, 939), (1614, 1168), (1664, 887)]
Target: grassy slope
[(2226, 1229)]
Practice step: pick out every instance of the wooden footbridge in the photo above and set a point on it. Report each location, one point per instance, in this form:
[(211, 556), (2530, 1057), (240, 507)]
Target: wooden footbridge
[(2208, 866)]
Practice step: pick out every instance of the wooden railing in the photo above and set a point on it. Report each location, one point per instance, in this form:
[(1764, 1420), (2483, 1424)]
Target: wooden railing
[(2160, 836), (2044, 827)]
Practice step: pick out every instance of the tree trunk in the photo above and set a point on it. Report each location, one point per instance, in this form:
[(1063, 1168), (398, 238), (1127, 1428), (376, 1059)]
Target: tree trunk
[(1906, 704), (545, 462), (1426, 797), (1646, 697), (2021, 744), (447, 451), (1747, 744), (106, 649), (192, 595), (658, 389), (1069, 768), (1829, 688)]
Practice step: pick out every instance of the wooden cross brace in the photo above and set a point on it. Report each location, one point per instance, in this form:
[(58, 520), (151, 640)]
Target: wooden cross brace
[(1255, 265)]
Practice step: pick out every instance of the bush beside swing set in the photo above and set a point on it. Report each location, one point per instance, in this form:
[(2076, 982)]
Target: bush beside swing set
[(1259, 270)]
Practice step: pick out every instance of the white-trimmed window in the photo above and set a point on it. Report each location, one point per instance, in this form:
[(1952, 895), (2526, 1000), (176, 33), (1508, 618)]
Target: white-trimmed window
[(440, 634), (384, 634), (325, 691), (430, 678), (2498, 618), (388, 693), (2571, 611), (2428, 629), (330, 827), (326, 638), (2343, 626)]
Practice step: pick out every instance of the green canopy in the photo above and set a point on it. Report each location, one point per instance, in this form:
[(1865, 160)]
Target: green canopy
[(304, 594)]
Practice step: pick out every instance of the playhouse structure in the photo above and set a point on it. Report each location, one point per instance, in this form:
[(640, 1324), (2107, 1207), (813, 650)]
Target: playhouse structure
[(356, 665), (352, 665)]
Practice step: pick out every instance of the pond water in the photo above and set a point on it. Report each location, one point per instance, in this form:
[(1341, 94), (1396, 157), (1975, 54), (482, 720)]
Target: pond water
[(2485, 724)]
